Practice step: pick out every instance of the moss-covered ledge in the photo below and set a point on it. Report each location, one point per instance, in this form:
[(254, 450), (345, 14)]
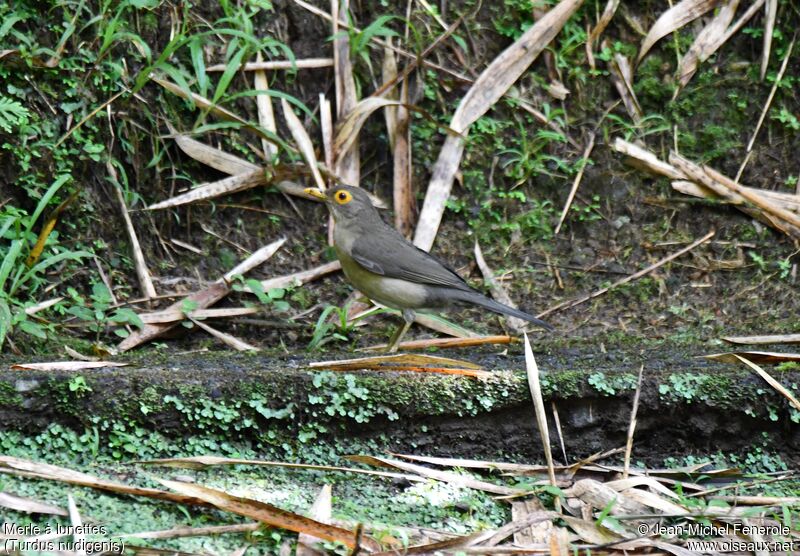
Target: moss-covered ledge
[(276, 402)]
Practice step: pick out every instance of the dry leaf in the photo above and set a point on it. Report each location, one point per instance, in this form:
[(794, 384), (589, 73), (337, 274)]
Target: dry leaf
[(211, 190), (769, 26), (79, 356), (173, 315), (706, 43), (587, 152), (532, 371), (28, 505), (266, 116), (512, 468), (65, 365), (213, 157), (201, 299), (202, 462), (206, 104), (41, 306), (785, 392), (440, 324), (646, 160), (265, 513), (405, 204), (389, 74), (75, 520), (142, 272), (37, 470), (590, 532), (299, 278), (778, 217), (347, 166), (405, 362), (227, 339), (493, 538), (446, 343), (444, 476), (622, 77), (490, 86), (599, 496), (673, 19), (535, 533), (435, 547), (326, 128), (786, 201), (349, 128), (624, 484), (262, 255), (775, 339), (182, 531), (320, 511), (602, 23), (303, 142), (654, 501)]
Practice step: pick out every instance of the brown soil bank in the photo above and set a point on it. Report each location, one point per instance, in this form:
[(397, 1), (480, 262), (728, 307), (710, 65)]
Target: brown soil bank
[(688, 405)]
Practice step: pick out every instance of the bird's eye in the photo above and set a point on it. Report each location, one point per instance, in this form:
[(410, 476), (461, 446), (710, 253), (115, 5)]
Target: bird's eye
[(343, 197)]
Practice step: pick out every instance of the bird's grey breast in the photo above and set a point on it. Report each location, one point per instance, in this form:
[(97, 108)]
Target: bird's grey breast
[(386, 290)]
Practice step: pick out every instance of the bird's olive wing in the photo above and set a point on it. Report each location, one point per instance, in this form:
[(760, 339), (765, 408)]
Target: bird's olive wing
[(395, 257)]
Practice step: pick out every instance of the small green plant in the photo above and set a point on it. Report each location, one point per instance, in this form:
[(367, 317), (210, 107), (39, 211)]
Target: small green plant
[(273, 297), (588, 212), (534, 223), (789, 120), (79, 385), (605, 519), (513, 17), (12, 114), (609, 384), (325, 332), (345, 397), (783, 266), (98, 313), (788, 366), (761, 263), (688, 387), (360, 40), (531, 157), (25, 258)]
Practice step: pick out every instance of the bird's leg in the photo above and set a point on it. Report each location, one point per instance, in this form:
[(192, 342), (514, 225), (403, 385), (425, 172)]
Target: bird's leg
[(408, 319)]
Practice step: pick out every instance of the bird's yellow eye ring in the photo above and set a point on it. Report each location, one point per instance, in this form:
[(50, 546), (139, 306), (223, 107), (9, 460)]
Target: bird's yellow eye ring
[(343, 197)]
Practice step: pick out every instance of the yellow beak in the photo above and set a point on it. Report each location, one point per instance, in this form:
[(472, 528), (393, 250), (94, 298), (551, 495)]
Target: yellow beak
[(316, 193)]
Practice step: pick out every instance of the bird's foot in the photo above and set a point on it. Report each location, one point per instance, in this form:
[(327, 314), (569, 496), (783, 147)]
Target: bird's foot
[(394, 343)]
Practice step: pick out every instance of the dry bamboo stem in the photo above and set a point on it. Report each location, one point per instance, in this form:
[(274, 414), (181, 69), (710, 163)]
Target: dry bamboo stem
[(575, 184), (142, 272), (308, 63)]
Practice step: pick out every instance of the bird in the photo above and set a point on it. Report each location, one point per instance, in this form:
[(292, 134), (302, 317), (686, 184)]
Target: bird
[(390, 270)]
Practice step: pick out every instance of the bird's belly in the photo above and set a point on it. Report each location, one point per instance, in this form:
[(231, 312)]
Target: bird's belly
[(392, 292)]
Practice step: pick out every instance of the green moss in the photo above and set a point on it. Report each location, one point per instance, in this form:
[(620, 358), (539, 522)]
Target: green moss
[(9, 397), (611, 384), (563, 384), (235, 402), (58, 392), (726, 390)]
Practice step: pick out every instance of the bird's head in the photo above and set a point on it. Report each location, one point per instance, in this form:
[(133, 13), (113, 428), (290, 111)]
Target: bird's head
[(346, 203)]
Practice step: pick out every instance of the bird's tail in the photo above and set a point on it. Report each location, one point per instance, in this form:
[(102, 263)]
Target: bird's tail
[(489, 303)]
